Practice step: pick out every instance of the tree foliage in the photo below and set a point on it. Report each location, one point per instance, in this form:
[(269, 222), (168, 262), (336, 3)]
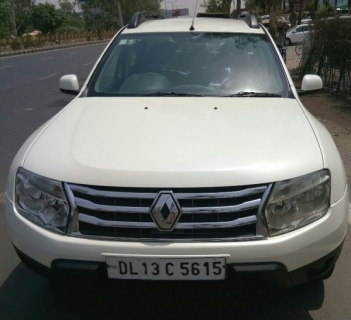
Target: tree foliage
[(46, 17), (21, 14), (217, 6), (73, 20), (104, 14), (23, 10), (95, 15), (129, 7), (99, 14), (324, 11), (5, 22)]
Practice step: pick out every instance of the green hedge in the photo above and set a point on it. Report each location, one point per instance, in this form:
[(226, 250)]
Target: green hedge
[(327, 52)]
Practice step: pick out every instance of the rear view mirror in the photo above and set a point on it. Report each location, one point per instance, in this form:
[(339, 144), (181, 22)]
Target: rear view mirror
[(310, 84), (69, 84)]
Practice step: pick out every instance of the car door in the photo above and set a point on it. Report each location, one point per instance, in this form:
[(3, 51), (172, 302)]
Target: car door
[(299, 34)]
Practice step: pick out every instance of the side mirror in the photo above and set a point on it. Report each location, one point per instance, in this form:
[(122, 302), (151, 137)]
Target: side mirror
[(69, 84), (310, 84)]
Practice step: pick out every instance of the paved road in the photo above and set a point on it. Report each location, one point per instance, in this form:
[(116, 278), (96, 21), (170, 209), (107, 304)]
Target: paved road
[(28, 97), (29, 93)]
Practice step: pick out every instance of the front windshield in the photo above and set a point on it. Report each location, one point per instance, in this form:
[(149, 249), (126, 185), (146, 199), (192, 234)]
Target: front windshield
[(203, 64)]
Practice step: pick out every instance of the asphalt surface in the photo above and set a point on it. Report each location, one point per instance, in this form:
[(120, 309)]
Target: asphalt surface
[(29, 96)]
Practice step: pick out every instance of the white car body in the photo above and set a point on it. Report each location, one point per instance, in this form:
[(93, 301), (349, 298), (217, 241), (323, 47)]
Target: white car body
[(215, 143), (297, 34)]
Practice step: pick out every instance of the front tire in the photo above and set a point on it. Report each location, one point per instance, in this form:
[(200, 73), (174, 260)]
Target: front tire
[(287, 42)]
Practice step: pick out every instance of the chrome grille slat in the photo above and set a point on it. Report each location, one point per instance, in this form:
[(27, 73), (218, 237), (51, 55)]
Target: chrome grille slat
[(220, 195), (98, 207), (150, 225), (207, 214), (169, 239), (219, 225), (224, 209), (112, 194), (115, 224), (180, 196), (191, 210)]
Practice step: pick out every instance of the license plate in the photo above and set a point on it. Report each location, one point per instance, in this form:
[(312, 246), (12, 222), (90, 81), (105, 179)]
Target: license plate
[(210, 268)]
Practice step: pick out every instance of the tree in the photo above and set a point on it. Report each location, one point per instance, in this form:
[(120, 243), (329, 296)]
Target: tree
[(271, 7), (129, 7), (99, 15), (73, 20), (257, 6), (15, 16), (66, 6), (238, 8), (273, 16), (106, 14), (217, 6), (46, 17), (5, 21), (325, 11)]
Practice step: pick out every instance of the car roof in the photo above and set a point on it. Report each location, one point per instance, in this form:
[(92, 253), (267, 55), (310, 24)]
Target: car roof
[(200, 25)]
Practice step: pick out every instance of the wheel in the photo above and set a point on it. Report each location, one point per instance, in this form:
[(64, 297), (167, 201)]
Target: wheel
[(287, 42)]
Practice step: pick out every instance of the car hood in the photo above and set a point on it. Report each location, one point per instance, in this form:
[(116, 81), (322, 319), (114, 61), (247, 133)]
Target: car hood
[(176, 142)]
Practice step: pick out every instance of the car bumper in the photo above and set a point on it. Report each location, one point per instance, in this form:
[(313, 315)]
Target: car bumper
[(275, 272), (316, 243)]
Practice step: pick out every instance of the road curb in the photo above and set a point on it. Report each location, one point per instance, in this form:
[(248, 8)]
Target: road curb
[(54, 47)]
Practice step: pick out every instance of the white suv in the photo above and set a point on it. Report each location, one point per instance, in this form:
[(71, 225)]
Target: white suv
[(186, 155)]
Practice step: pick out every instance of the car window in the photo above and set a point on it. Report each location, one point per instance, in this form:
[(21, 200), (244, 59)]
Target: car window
[(212, 64)]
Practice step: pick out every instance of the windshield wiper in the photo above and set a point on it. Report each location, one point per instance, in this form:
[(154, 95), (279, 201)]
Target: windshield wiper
[(252, 94), (172, 94)]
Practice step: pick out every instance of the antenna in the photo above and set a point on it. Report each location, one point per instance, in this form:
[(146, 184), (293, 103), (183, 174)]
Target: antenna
[(192, 24)]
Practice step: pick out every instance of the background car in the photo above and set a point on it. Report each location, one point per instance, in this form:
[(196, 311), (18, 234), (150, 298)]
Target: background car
[(297, 34)]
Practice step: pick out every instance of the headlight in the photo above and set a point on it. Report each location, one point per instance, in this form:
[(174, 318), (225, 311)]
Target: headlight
[(298, 202), (41, 200)]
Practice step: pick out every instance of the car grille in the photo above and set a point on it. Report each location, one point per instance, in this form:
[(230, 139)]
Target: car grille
[(208, 214)]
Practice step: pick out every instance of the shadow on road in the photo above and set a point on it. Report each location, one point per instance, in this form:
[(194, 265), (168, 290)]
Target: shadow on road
[(25, 295)]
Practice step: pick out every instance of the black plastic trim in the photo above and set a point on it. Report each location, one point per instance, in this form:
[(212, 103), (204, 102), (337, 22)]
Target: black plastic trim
[(272, 271), (32, 264), (318, 269), (75, 93), (212, 15), (62, 267), (250, 19), (306, 92)]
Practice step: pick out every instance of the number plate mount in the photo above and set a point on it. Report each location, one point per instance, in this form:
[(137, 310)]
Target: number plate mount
[(145, 268)]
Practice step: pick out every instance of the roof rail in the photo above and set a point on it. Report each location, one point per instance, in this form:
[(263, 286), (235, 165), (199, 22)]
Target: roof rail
[(141, 17), (250, 19)]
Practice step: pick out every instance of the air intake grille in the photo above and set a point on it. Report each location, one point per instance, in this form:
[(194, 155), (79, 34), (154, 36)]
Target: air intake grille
[(208, 214)]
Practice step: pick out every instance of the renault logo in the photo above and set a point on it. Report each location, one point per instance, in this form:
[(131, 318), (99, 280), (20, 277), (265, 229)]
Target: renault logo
[(165, 211)]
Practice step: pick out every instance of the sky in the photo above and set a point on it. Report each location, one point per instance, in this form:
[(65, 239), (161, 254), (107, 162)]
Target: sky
[(175, 3)]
